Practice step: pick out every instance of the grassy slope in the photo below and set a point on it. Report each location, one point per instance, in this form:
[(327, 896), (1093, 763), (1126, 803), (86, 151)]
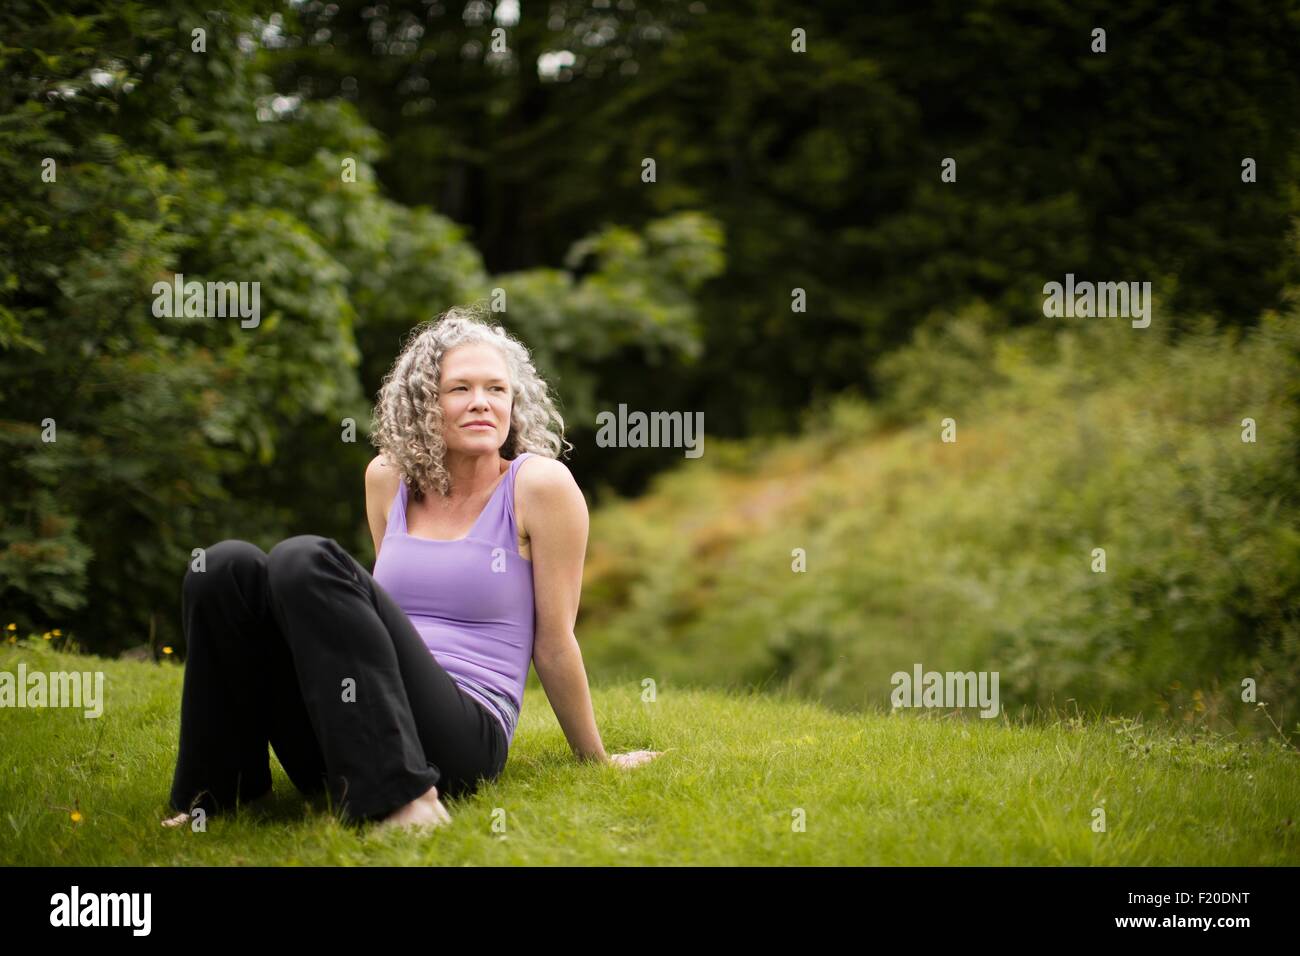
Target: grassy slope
[(873, 789), (977, 555)]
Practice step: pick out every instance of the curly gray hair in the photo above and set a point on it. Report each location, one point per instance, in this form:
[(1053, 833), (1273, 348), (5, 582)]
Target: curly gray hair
[(407, 423)]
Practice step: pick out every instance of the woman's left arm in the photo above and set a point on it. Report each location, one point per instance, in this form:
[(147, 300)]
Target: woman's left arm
[(558, 522)]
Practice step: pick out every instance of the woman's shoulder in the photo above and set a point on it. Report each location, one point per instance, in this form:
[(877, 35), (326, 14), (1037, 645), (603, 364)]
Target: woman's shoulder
[(542, 472), (380, 473), (382, 480), (543, 483)]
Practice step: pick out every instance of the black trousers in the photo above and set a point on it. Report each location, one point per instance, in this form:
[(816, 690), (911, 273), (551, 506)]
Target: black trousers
[(301, 649)]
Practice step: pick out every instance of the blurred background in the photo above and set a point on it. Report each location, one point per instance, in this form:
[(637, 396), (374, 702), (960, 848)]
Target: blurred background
[(798, 270)]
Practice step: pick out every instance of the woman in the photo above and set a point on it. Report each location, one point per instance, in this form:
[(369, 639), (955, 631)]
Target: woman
[(380, 690)]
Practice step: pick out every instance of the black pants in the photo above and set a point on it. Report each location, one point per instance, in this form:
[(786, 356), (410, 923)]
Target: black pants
[(301, 649)]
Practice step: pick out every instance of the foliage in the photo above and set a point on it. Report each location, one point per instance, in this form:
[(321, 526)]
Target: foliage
[(172, 433), (823, 167), (979, 554)]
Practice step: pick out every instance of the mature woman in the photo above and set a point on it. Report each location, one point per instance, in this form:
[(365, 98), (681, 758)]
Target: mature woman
[(382, 689)]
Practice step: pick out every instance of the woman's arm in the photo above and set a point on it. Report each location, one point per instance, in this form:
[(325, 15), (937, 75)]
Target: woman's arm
[(557, 520), (381, 487), (565, 680)]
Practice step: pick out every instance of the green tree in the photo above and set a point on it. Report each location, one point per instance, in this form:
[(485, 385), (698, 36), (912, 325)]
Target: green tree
[(175, 431)]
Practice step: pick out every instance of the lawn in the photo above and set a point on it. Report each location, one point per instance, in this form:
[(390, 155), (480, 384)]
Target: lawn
[(746, 779)]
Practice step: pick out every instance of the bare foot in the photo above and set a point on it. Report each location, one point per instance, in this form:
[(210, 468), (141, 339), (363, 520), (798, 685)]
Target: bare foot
[(183, 818), (424, 811)]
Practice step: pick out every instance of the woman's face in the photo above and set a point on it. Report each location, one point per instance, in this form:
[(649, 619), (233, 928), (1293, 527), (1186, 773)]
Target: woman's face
[(475, 387)]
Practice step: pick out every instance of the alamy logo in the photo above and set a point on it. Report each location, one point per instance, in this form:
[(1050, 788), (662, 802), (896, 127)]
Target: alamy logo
[(56, 689), (197, 300), (657, 430), (946, 690), (102, 909), (1124, 299)]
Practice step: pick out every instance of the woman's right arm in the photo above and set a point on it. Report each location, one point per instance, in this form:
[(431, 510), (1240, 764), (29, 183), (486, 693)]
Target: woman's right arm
[(381, 487)]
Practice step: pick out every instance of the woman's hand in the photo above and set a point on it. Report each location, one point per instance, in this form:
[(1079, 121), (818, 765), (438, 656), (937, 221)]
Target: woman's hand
[(634, 759)]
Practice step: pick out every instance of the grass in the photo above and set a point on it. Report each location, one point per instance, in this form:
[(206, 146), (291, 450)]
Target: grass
[(741, 771)]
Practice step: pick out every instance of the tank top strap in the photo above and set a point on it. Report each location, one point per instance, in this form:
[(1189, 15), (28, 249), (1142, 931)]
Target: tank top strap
[(510, 481), (502, 528), (397, 511)]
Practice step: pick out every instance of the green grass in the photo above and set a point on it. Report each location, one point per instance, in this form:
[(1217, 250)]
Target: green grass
[(739, 768)]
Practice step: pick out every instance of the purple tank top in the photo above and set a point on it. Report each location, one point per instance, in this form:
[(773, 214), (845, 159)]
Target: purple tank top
[(470, 599)]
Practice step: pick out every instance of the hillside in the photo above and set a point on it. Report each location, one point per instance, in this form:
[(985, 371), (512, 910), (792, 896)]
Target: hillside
[(982, 553)]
